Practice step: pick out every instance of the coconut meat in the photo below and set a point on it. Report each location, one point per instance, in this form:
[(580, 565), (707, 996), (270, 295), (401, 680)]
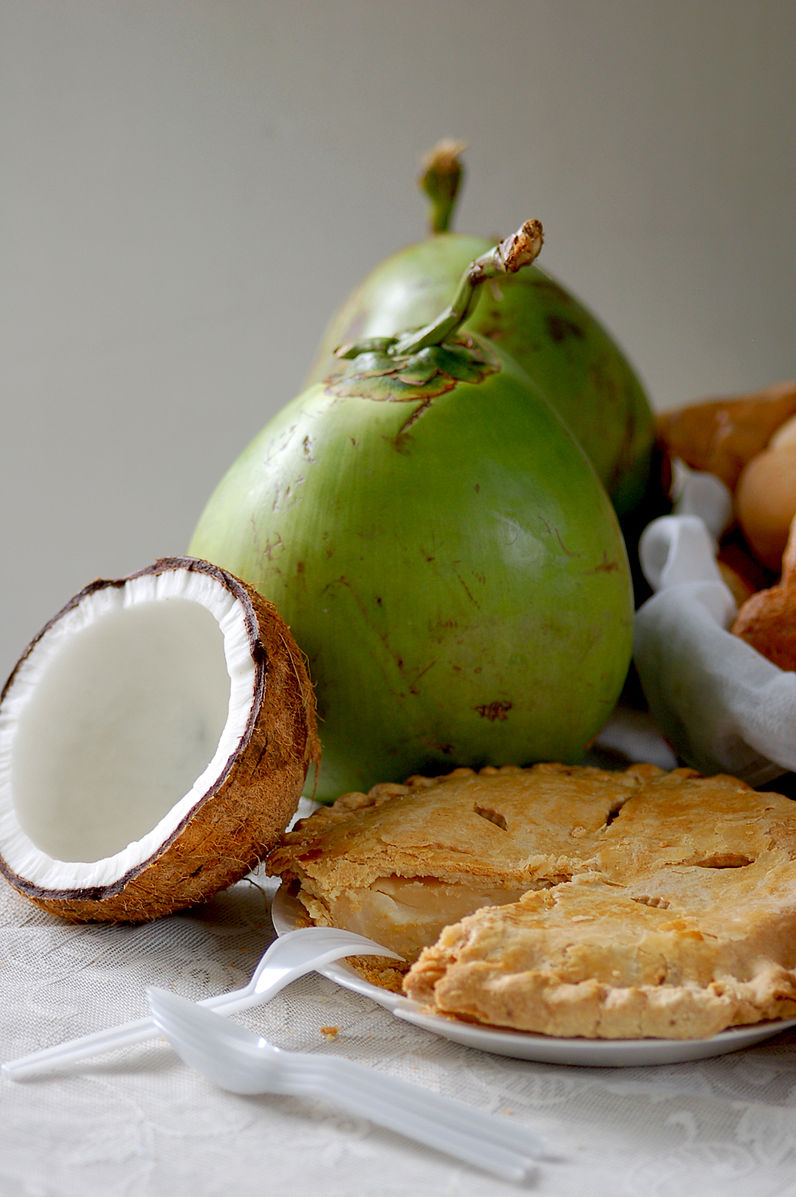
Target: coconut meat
[(123, 716)]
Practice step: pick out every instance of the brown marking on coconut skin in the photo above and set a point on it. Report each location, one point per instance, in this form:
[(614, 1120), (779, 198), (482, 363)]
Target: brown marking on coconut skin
[(491, 323), (444, 749), (413, 686), (560, 328), (495, 711), (399, 441), (467, 591), (364, 611), (556, 535), (608, 565), (273, 450), (270, 547), (567, 552)]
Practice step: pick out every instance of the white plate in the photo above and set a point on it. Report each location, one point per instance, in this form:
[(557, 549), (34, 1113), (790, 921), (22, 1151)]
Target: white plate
[(595, 1053)]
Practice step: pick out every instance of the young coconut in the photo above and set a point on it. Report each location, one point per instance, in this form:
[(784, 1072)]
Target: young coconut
[(442, 549), (562, 346), (154, 740)]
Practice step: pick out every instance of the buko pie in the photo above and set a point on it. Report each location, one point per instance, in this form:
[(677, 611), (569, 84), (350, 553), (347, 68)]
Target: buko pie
[(569, 901)]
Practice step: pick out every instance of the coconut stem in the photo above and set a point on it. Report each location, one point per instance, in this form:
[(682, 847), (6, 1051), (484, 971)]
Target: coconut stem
[(440, 180), (509, 256)]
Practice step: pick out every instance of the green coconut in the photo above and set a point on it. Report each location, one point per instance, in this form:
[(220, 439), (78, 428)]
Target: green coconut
[(443, 551), (560, 343)]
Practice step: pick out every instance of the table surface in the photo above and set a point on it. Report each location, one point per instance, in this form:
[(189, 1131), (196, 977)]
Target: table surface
[(140, 1122)]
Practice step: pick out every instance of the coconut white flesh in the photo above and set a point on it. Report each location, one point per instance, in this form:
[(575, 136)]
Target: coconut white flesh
[(122, 717)]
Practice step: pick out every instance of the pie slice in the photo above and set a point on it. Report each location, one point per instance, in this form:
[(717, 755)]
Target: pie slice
[(596, 959), (566, 901)]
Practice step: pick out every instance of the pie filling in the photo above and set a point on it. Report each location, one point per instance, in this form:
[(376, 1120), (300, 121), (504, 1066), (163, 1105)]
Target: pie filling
[(404, 913)]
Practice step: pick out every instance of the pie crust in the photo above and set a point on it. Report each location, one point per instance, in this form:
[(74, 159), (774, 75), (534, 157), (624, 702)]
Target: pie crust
[(564, 900)]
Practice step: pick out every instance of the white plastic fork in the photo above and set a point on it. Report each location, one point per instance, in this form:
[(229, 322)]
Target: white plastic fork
[(237, 1060), (289, 957)]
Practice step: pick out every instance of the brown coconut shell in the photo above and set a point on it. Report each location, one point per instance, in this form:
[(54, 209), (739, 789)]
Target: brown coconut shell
[(238, 821)]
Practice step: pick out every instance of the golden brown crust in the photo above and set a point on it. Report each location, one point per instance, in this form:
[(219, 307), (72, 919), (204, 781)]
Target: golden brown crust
[(450, 827), (655, 903), (767, 619), (599, 960), (765, 504), (722, 435)]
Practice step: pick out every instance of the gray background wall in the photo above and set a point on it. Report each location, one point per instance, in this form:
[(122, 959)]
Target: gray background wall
[(189, 187)]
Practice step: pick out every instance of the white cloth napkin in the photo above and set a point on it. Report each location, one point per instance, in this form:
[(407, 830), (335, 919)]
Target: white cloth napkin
[(722, 706)]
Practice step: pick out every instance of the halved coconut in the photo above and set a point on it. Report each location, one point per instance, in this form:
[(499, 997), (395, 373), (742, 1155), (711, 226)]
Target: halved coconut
[(155, 738)]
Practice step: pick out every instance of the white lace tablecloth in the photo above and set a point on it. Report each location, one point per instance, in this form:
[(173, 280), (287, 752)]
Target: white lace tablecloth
[(138, 1122)]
